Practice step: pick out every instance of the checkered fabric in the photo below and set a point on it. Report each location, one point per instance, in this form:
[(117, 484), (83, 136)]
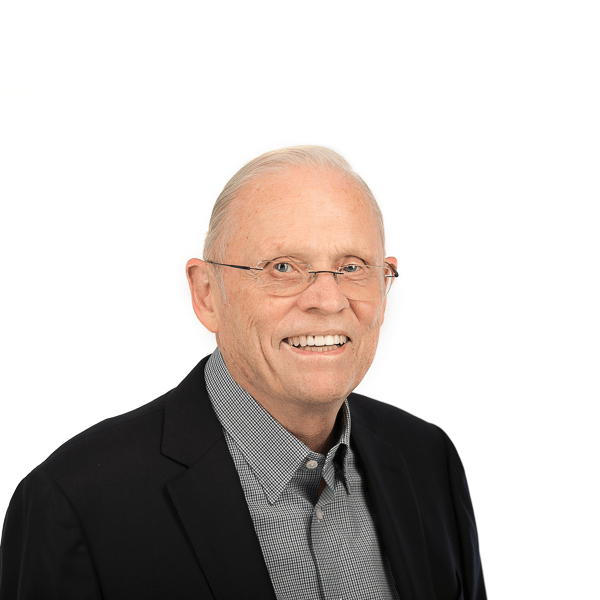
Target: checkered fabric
[(325, 549)]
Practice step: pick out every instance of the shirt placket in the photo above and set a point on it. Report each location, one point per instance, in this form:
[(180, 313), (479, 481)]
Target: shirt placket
[(324, 540)]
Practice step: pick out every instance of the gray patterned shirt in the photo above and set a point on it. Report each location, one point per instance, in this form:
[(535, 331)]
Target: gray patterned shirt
[(326, 548)]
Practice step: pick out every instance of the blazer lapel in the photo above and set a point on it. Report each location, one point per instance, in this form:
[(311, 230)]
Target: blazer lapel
[(395, 506), (208, 496)]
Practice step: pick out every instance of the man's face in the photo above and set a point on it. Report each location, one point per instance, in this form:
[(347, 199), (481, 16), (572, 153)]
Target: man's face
[(316, 218)]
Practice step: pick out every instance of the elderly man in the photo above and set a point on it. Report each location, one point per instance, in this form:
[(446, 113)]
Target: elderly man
[(261, 475)]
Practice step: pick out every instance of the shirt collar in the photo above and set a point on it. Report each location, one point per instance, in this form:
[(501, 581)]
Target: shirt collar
[(273, 453)]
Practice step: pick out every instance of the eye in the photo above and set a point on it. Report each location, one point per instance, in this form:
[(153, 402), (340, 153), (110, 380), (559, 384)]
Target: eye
[(283, 267), (351, 268)]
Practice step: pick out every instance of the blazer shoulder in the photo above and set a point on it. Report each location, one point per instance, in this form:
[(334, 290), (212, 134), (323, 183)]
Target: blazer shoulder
[(389, 416), (400, 428), (118, 446), (128, 437), (127, 422)]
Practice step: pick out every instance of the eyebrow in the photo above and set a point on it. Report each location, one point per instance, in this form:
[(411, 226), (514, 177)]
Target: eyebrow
[(277, 247), (308, 257)]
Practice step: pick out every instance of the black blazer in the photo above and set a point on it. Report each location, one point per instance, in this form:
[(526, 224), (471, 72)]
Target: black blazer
[(148, 505)]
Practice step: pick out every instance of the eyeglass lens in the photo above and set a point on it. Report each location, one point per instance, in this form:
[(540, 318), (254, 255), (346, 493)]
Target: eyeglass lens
[(356, 282)]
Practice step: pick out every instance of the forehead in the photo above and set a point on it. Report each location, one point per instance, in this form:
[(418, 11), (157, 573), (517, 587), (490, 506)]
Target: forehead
[(308, 212)]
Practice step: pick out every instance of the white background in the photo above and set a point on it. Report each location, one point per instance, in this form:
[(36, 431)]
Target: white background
[(476, 124)]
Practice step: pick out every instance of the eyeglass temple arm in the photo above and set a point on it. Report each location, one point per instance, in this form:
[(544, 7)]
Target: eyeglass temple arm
[(395, 273), (212, 262)]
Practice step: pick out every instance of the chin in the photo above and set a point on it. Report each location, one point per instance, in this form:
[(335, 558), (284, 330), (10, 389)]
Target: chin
[(322, 392)]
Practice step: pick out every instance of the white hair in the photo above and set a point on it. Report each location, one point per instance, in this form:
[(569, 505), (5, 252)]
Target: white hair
[(222, 220)]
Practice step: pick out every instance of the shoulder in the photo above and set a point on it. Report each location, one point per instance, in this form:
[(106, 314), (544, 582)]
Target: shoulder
[(410, 434), (140, 421), (111, 450), (126, 451), (388, 418)]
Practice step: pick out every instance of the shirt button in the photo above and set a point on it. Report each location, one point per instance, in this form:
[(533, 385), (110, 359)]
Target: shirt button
[(319, 513), (312, 464)]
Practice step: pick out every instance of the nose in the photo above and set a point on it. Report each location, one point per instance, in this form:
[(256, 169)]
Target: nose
[(323, 294)]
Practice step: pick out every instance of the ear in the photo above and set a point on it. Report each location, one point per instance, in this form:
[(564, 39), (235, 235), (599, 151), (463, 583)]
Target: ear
[(203, 288), (392, 260)]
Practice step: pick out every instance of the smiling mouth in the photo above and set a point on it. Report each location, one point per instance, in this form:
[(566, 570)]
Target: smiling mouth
[(317, 343)]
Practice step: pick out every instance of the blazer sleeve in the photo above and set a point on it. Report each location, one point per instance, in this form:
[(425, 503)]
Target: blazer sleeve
[(472, 573), (44, 554)]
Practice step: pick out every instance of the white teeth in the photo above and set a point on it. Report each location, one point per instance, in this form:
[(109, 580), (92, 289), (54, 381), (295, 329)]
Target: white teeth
[(317, 340)]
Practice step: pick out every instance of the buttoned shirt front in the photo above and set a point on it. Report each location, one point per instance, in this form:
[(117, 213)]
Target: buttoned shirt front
[(315, 548)]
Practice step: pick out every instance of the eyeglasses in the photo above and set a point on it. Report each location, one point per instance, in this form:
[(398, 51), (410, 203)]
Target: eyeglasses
[(281, 277)]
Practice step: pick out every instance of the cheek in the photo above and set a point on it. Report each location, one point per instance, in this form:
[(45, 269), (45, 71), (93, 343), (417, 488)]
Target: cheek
[(277, 316), (370, 319), (252, 320)]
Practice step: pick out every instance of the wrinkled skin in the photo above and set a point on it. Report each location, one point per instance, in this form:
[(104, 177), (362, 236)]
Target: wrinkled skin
[(319, 218)]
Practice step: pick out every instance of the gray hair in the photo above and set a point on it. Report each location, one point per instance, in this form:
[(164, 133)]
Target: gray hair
[(222, 220)]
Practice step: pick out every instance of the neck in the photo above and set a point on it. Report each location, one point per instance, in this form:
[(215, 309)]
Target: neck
[(318, 431), (320, 439)]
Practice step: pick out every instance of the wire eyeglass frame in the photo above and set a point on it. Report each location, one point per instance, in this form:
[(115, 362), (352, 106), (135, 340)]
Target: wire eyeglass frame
[(309, 280)]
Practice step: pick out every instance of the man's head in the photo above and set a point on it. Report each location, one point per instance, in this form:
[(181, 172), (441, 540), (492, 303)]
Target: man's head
[(304, 205), (222, 221)]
